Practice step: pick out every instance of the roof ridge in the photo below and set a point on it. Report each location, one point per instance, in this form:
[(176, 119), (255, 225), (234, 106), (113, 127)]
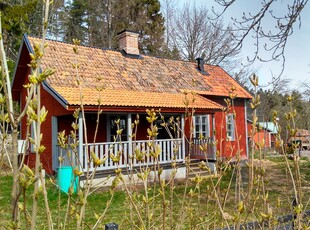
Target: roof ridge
[(67, 43), (115, 50)]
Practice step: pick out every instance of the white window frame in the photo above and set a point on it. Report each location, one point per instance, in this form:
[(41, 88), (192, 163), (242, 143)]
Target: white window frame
[(230, 127), (205, 133)]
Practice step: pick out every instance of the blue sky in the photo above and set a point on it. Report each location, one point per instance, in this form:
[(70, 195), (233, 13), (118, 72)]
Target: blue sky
[(297, 67)]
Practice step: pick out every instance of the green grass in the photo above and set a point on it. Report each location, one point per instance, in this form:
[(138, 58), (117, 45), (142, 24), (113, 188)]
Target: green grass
[(5, 199), (199, 207)]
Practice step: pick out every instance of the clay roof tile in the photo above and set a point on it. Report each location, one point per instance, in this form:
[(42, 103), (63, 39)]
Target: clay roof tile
[(148, 81)]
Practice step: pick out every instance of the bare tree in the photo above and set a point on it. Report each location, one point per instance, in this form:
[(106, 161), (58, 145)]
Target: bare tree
[(306, 87), (270, 25), (167, 8), (242, 76), (197, 36)]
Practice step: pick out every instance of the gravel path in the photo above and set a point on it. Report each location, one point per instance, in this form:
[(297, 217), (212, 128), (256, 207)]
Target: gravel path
[(305, 153)]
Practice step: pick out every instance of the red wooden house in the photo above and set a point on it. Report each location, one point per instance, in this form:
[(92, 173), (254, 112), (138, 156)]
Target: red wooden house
[(129, 83)]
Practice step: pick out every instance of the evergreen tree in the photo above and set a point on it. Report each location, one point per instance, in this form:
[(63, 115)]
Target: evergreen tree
[(152, 27), (277, 100), (142, 16), (58, 15), (16, 21), (97, 23), (75, 23)]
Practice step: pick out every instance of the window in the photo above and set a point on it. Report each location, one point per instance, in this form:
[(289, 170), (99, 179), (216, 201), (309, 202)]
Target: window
[(230, 127), (122, 125), (202, 128), (169, 130)]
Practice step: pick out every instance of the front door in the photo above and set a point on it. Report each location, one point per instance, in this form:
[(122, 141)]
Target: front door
[(201, 146)]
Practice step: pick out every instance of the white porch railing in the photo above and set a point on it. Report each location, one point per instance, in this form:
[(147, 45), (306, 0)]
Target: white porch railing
[(170, 149)]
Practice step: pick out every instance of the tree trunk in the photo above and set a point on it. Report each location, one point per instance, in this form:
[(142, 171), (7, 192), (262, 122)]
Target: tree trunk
[(15, 186)]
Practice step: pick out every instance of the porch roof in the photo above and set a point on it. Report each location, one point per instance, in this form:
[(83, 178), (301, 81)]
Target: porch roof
[(129, 98)]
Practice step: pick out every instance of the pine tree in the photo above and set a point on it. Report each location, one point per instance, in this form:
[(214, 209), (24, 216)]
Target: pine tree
[(97, 22), (144, 17), (75, 23), (153, 28), (58, 15)]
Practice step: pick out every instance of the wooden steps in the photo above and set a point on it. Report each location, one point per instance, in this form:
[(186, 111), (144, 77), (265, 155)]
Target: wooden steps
[(201, 168)]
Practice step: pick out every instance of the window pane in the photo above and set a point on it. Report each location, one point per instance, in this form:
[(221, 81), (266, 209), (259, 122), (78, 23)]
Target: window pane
[(202, 126), (122, 125), (230, 129)]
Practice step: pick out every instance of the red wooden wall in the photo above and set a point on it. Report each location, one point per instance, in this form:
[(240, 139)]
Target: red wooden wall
[(226, 148), (54, 108)]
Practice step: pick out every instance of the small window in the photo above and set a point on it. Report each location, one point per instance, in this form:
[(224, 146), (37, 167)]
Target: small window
[(201, 126), (230, 127), (122, 125)]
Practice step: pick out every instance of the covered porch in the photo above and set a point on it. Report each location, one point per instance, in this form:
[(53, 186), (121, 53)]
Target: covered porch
[(132, 148)]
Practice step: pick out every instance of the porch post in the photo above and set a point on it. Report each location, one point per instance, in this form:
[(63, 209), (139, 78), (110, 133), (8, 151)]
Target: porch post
[(213, 136), (81, 152), (183, 137), (55, 153), (129, 134)]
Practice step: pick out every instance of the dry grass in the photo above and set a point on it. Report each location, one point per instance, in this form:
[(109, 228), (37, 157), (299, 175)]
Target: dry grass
[(277, 183)]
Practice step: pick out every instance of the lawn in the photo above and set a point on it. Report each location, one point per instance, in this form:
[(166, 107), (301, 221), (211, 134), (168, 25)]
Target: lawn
[(188, 203)]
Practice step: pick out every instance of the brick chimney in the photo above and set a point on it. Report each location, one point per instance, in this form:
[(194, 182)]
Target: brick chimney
[(128, 41)]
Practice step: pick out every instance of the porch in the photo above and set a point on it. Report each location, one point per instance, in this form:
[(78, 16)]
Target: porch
[(134, 153), (137, 153)]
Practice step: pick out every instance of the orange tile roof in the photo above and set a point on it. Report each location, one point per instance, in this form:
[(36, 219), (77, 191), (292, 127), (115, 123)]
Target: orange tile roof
[(128, 98), (222, 83), (148, 81)]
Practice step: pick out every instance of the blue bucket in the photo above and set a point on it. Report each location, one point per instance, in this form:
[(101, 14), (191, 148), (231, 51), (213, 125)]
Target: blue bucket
[(65, 178)]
